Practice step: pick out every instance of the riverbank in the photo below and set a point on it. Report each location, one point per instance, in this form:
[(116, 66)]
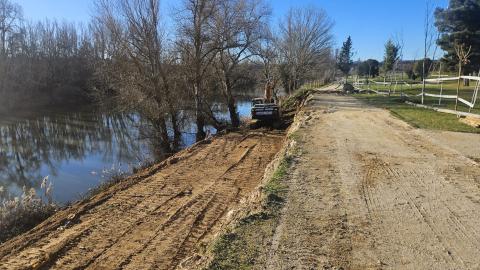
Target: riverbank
[(178, 204), (361, 189), (155, 218)]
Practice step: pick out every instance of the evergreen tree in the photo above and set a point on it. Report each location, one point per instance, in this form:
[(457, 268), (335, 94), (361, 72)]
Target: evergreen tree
[(418, 68), (391, 56), (344, 61), (369, 67), (409, 70), (362, 69), (460, 24)]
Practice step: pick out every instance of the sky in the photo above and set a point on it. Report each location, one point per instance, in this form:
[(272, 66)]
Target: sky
[(370, 23)]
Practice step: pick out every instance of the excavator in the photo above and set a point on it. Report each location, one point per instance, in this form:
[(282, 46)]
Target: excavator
[(265, 108)]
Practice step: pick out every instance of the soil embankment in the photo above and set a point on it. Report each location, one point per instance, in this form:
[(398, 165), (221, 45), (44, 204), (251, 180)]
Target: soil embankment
[(154, 220)]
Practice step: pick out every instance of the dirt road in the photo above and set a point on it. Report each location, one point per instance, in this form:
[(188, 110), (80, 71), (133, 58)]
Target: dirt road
[(371, 192), (155, 221)]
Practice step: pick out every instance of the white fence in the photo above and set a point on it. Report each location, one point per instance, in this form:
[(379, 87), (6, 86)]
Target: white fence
[(470, 104)]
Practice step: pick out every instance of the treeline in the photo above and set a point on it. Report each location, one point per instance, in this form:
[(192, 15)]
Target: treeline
[(42, 62), (454, 29), (126, 53)]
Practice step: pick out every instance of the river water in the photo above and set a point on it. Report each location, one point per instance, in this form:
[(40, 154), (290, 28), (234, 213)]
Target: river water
[(77, 149)]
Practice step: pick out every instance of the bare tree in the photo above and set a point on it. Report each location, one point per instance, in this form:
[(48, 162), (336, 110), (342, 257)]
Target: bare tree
[(197, 50), (268, 54), (305, 42), (44, 63), (399, 66), (428, 40), (463, 55), (10, 16), (139, 61), (237, 26)]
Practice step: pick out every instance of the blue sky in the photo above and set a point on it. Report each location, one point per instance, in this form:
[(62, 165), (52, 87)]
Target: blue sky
[(369, 22)]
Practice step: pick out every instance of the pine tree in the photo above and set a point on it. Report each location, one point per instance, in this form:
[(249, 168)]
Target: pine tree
[(391, 56), (460, 24), (418, 68), (344, 61)]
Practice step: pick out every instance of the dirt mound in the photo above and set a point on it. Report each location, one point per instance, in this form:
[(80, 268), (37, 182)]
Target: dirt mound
[(154, 220)]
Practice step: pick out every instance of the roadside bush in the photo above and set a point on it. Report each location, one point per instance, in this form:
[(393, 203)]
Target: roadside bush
[(20, 214), (348, 88), (292, 102)]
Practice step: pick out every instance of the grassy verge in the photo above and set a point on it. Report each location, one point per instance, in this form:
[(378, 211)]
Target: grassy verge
[(243, 246), (418, 117), (449, 88)]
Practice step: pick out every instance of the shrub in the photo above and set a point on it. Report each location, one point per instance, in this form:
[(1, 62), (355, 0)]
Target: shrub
[(20, 214), (348, 88)]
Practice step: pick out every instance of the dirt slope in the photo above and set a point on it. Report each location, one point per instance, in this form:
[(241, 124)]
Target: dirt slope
[(371, 192), (155, 221)]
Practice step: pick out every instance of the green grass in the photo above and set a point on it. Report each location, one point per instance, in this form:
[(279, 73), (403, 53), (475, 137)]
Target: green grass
[(449, 88), (275, 186), (418, 117), (243, 246), (294, 136), (428, 119)]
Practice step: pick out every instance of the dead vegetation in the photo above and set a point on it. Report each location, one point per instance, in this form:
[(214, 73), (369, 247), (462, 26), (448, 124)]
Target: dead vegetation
[(471, 121), (19, 214), (291, 104)]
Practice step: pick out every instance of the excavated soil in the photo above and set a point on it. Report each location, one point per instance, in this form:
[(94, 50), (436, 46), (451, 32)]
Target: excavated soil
[(154, 220), (371, 192)]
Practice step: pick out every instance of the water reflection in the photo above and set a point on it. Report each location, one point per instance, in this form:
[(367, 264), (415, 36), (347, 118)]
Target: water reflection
[(73, 148), (62, 145)]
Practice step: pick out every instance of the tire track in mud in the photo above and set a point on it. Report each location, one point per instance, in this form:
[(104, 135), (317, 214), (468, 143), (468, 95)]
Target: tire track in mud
[(383, 171), (418, 181), (160, 221)]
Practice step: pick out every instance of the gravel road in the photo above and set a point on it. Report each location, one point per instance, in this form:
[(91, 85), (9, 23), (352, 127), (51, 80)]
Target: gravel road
[(371, 192)]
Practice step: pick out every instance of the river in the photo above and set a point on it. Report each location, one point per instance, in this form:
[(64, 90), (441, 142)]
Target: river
[(78, 149)]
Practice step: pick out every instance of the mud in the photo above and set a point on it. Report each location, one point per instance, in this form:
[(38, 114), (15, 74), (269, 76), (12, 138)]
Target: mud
[(158, 219)]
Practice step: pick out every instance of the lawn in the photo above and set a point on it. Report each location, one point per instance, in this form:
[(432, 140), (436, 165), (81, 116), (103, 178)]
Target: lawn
[(417, 117), (449, 88)]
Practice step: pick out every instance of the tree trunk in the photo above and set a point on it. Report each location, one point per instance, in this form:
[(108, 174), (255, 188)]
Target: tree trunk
[(423, 79), (291, 86), (163, 132), (232, 108), (458, 84), (177, 135), (200, 119), (3, 34), (2, 41)]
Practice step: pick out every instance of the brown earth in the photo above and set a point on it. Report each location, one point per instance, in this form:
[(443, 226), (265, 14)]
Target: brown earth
[(155, 220), (368, 191), (365, 191)]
